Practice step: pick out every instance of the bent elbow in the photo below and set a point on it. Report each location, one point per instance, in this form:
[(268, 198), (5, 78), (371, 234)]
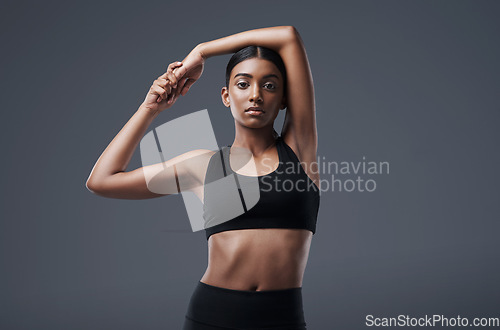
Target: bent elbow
[(292, 30), (91, 187), (292, 34)]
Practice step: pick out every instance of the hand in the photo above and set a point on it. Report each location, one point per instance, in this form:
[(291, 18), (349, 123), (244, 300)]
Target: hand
[(162, 95), (191, 70)]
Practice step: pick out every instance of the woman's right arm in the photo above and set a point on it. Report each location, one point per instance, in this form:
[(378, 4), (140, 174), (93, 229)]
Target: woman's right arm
[(108, 177)]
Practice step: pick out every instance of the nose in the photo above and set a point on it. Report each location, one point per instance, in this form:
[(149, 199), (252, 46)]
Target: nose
[(255, 95)]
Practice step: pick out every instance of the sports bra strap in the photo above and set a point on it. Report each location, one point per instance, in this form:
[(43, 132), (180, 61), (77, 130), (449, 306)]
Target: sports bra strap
[(224, 154)]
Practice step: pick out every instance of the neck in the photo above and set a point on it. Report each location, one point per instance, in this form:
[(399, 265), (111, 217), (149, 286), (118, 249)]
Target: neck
[(256, 140)]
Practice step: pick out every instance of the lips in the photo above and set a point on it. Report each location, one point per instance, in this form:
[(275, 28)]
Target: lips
[(254, 109)]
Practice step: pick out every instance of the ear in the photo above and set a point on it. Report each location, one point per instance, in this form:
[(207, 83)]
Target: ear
[(224, 93)]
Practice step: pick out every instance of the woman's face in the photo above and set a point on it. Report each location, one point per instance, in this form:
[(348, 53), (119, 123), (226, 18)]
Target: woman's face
[(256, 83)]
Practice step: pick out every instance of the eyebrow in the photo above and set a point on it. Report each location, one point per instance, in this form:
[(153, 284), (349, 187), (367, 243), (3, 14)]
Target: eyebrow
[(250, 76)]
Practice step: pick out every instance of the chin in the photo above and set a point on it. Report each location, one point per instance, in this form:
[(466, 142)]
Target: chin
[(252, 123)]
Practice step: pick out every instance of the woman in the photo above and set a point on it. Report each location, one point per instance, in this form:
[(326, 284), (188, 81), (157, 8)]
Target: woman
[(257, 259)]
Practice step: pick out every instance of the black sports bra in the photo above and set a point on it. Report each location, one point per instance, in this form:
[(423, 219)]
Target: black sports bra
[(288, 197)]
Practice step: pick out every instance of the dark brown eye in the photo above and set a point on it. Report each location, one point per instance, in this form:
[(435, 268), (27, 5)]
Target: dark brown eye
[(241, 82), (270, 86)]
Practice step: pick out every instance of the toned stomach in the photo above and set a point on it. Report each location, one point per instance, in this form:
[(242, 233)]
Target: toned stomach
[(257, 259)]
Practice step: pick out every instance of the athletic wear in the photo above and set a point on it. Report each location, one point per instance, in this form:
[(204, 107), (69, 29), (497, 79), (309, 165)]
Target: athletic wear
[(288, 197), (216, 308)]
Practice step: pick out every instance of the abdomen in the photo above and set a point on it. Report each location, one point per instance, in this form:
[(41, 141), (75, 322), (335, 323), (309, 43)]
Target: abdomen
[(258, 259)]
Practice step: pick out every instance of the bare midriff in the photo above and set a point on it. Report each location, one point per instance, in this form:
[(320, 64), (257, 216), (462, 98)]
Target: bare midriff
[(257, 259)]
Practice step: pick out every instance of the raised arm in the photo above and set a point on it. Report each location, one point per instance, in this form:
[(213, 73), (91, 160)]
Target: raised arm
[(299, 128), (272, 37), (108, 177)]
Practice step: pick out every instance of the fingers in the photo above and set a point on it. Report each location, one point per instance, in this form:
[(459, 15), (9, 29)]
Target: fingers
[(171, 98), (165, 85), (169, 79), (170, 75), (160, 91), (180, 86), (172, 78), (171, 67), (162, 88), (180, 71)]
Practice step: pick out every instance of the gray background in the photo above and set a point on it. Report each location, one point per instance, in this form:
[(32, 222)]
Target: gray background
[(414, 83)]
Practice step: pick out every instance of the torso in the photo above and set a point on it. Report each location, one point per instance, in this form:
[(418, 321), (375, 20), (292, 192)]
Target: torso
[(259, 259)]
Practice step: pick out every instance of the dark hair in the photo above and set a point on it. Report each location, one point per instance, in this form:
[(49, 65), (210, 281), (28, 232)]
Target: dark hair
[(256, 52)]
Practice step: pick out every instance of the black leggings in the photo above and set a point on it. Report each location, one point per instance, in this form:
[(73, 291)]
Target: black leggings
[(216, 308)]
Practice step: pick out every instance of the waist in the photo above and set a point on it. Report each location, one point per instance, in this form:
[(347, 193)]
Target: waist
[(258, 259), (235, 309)]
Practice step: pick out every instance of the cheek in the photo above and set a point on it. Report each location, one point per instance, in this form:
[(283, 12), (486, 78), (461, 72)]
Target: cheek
[(275, 98), (237, 96)]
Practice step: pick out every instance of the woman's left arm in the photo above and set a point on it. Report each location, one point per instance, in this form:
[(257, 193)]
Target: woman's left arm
[(299, 128)]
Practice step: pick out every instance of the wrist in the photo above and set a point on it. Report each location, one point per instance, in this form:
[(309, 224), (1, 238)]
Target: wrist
[(201, 50), (152, 113)]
